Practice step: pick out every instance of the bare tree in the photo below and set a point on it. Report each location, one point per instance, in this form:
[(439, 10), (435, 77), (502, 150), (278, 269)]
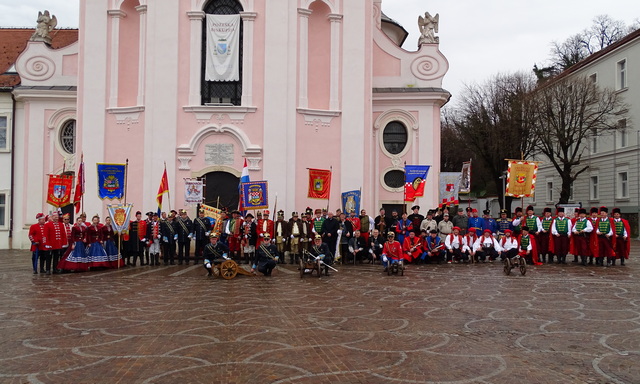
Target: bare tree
[(490, 120), (563, 115)]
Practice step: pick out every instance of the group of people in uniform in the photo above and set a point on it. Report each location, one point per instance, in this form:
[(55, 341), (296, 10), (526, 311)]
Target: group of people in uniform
[(346, 237)]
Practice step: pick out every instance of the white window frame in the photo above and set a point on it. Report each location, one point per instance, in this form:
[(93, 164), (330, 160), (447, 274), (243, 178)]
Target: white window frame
[(593, 146), (594, 77), (4, 205), (623, 133), (594, 187), (621, 74), (7, 148), (571, 192), (622, 180), (549, 191)]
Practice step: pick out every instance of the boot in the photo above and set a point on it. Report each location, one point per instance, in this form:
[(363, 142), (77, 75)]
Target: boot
[(564, 259), (291, 258), (584, 260), (147, 258), (157, 258), (575, 259), (622, 262), (550, 259), (297, 259), (613, 261), (590, 260), (609, 261)]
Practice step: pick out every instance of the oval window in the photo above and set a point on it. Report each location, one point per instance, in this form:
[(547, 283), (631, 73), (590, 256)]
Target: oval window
[(68, 136), (395, 137), (394, 178)]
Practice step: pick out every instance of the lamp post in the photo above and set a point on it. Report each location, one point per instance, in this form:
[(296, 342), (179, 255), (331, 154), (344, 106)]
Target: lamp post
[(504, 189)]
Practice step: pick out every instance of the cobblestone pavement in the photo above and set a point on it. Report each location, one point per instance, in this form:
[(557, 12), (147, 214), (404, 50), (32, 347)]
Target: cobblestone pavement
[(437, 323)]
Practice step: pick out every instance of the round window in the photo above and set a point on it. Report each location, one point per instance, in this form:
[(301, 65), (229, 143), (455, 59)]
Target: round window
[(395, 137), (394, 178), (68, 136)]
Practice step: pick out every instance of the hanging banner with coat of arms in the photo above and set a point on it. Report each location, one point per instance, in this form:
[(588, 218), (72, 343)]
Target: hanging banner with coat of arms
[(193, 191), (351, 201), (319, 183), (521, 178), (111, 180), (449, 188), (223, 51), (120, 214), (465, 178), (254, 194), (59, 190), (415, 178)]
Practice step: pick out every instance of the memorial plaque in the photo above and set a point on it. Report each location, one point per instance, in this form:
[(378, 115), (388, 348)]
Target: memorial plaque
[(218, 154)]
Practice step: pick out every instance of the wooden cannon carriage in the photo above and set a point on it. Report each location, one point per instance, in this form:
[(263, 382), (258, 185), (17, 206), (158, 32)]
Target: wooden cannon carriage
[(229, 269)]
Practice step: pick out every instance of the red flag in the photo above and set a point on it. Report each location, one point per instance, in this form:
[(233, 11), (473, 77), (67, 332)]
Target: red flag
[(164, 188), (59, 190), (319, 183), (77, 196)]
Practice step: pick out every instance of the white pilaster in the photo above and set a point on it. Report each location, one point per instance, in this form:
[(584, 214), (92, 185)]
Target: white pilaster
[(116, 15), (334, 101), (142, 49), (195, 21), (248, 19), (303, 16)]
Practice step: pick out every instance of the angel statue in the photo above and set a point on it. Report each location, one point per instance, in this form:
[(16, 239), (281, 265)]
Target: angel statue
[(428, 26), (46, 23)]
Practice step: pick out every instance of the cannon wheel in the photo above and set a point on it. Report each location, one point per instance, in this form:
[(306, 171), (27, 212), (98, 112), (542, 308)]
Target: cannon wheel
[(228, 269), (523, 266), (507, 267)]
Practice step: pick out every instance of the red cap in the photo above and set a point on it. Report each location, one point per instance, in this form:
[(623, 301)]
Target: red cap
[(506, 231), (487, 231), (454, 228), (474, 210), (39, 216)]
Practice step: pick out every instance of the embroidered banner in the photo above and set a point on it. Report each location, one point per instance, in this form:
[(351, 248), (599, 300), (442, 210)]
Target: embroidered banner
[(351, 200), (465, 178), (193, 191), (415, 178), (521, 178), (449, 188), (59, 190), (111, 181), (319, 183), (223, 50), (120, 214), (255, 195)]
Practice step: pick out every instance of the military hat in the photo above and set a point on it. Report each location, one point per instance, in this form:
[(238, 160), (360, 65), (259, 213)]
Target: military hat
[(214, 235), (318, 237), (486, 211), (66, 216), (582, 210), (174, 211), (183, 211), (137, 213), (266, 212), (308, 211), (40, 216), (201, 210), (415, 207), (559, 209), (504, 211), (172, 215), (530, 208), (149, 213), (352, 211), (155, 214), (518, 209), (390, 234), (318, 210), (281, 213), (604, 209), (547, 209), (266, 236), (259, 214), (236, 212), (525, 229), (594, 210), (249, 215), (615, 210), (433, 231), (294, 214)]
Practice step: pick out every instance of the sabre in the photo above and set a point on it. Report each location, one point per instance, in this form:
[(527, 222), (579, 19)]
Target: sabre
[(35, 262), (317, 258)]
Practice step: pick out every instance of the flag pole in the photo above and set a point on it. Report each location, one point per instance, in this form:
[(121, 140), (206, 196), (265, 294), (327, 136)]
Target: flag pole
[(126, 174), (329, 197), (168, 193)]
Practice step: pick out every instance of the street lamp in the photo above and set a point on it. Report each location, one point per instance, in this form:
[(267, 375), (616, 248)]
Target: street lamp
[(504, 189)]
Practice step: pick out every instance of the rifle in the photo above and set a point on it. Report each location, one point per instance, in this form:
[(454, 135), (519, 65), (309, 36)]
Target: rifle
[(319, 260)]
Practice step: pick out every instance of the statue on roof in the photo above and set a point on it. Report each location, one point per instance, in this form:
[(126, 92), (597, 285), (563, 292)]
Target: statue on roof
[(428, 26), (46, 23)]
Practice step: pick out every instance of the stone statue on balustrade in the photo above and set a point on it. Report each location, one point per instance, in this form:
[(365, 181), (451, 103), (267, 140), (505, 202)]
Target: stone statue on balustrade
[(428, 26), (46, 23)]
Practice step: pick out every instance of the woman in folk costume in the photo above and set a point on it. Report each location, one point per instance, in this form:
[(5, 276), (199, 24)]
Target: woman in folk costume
[(76, 257), (109, 237), (95, 251), (528, 247), (622, 231)]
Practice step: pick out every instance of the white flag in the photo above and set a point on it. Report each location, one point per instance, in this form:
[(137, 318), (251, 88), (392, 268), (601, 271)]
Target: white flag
[(449, 187), (223, 50)]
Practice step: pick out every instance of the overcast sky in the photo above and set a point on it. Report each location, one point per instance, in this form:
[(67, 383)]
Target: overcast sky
[(479, 38)]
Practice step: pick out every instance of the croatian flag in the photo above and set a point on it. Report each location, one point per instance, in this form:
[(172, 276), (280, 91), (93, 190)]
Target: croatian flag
[(244, 178)]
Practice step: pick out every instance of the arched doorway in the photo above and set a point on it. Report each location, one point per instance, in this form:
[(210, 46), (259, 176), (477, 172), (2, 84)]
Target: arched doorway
[(222, 185)]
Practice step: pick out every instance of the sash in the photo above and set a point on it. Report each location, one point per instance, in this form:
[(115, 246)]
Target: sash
[(266, 251), (184, 227), (199, 220), (211, 248), (170, 226)]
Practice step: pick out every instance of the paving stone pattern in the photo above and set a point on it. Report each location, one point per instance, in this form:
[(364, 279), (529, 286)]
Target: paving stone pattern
[(436, 324)]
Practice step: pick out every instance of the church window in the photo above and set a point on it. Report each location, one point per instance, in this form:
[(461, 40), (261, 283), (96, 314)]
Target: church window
[(221, 92), (395, 137), (68, 136), (394, 178)]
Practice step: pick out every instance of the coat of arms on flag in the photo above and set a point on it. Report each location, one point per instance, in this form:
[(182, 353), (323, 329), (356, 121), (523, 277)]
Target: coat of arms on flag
[(521, 178), (255, 195), (319, 183), (415, 178), (59, 190)]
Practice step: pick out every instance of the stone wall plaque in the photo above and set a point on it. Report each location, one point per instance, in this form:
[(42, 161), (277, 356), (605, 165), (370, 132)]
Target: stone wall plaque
[(218, 154)]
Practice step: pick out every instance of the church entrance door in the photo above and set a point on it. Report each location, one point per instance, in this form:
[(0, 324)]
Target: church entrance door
[(222, 186)]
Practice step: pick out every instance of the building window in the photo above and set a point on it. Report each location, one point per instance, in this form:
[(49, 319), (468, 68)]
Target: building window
[(594, 78), (3, 132), (221, 92), (3, 209), (571, 192), (68, 136), (594, 141), (394, 179), (395, 137), (593, 188), (549, 191), (623, 185), (622, 74), (624, 134)]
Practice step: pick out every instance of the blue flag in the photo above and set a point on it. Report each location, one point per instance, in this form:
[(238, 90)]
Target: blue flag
[(351, 200), (111, 181)]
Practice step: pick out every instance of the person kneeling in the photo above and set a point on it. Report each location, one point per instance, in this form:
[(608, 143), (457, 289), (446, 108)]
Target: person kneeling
[(214, 253), (391, 252), (266, 257)]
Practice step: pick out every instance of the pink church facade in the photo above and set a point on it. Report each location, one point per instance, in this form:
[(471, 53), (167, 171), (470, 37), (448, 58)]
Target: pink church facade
[(323, 84)]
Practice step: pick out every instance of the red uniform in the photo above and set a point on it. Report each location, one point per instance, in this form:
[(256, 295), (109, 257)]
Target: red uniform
[(94, 234), (409, 245), (623, 245), (264, 226), (56, 235), (393, 250), (38, 237)]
